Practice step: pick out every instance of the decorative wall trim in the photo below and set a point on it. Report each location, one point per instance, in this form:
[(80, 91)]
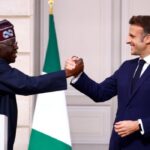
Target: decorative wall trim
[(90, 125)]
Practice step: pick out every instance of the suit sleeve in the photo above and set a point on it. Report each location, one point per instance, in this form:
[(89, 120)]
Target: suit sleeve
[(14, 81), (99, 92)]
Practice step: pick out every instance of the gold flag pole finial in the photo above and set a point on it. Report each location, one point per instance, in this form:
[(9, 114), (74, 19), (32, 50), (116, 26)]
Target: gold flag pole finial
[(51, 3)]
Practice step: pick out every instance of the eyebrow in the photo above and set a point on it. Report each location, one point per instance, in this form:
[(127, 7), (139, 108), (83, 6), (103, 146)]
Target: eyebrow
[(130, 34)]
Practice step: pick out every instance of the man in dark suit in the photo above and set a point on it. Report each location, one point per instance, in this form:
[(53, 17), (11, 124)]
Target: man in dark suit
[(131, 84), (13, 81)]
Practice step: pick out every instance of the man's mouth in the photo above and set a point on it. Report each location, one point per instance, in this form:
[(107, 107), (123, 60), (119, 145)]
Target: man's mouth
[(14, 55)]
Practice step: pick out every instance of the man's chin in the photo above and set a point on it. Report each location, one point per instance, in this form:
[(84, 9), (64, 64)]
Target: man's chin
[(133, 53), (12, 61)]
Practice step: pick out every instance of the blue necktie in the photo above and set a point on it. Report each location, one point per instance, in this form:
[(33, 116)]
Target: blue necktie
[(137, 74)]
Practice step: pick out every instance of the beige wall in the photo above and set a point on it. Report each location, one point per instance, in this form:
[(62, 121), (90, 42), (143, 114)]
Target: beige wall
[(95, 30)]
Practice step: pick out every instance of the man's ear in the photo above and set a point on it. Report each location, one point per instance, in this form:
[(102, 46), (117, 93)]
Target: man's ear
[(147, 39)]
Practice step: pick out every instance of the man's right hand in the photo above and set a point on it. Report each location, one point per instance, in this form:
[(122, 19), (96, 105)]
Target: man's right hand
[(74, 66)]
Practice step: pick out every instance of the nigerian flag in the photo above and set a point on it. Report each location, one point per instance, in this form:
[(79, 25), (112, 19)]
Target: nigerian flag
[(50, 129)]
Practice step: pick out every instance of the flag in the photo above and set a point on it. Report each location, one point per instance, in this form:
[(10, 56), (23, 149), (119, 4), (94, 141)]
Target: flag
[(50, 128)]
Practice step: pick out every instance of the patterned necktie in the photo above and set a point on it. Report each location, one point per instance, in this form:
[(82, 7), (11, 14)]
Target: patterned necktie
[(137, 74)]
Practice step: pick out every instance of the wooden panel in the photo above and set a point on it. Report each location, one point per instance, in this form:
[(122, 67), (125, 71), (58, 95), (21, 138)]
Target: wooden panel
[(15, 7), (90, 124)]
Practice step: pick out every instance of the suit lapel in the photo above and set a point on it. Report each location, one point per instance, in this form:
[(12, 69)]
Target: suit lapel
[(132, 70), (140, 82)]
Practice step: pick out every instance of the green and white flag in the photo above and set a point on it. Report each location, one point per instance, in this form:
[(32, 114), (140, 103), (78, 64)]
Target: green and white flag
[(50, 129)]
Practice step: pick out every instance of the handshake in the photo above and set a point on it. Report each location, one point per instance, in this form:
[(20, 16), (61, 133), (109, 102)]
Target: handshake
[(74, 66)]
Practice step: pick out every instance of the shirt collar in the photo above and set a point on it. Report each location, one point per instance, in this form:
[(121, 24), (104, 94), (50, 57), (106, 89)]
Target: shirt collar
[(147, 59)]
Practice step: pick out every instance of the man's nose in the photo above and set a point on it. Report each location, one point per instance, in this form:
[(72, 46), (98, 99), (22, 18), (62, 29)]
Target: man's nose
[(15, 46), (128, 40)]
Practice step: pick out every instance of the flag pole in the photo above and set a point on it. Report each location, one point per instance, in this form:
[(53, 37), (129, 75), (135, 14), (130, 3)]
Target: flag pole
[(51, 3)]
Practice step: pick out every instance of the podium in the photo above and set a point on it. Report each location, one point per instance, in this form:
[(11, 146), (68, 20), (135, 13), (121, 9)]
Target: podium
[(3, 132)]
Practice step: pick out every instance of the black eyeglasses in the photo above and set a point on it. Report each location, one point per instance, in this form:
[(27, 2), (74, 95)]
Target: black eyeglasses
[(10, 45)]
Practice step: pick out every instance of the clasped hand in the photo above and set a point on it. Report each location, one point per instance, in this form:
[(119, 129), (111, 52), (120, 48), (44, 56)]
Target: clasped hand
[(74, 66)]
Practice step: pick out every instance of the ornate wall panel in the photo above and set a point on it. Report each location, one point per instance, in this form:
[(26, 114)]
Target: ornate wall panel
[(16, 7), (90, 125)]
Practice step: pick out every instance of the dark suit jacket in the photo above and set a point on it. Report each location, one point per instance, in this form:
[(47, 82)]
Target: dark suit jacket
[(130, 106), (12, 82)]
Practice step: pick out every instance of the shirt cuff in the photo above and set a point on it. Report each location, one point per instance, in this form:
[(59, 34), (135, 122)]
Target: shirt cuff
[(141, 125), (75, 79)]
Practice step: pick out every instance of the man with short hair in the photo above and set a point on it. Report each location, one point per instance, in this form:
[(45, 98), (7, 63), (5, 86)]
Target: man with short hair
[(131, 84), (13, 81)]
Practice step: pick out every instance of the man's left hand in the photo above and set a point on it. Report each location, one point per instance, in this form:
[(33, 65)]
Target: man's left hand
[(127, 127)]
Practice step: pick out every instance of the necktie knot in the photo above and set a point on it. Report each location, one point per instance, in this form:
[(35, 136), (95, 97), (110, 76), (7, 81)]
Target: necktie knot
[(141, 62)]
